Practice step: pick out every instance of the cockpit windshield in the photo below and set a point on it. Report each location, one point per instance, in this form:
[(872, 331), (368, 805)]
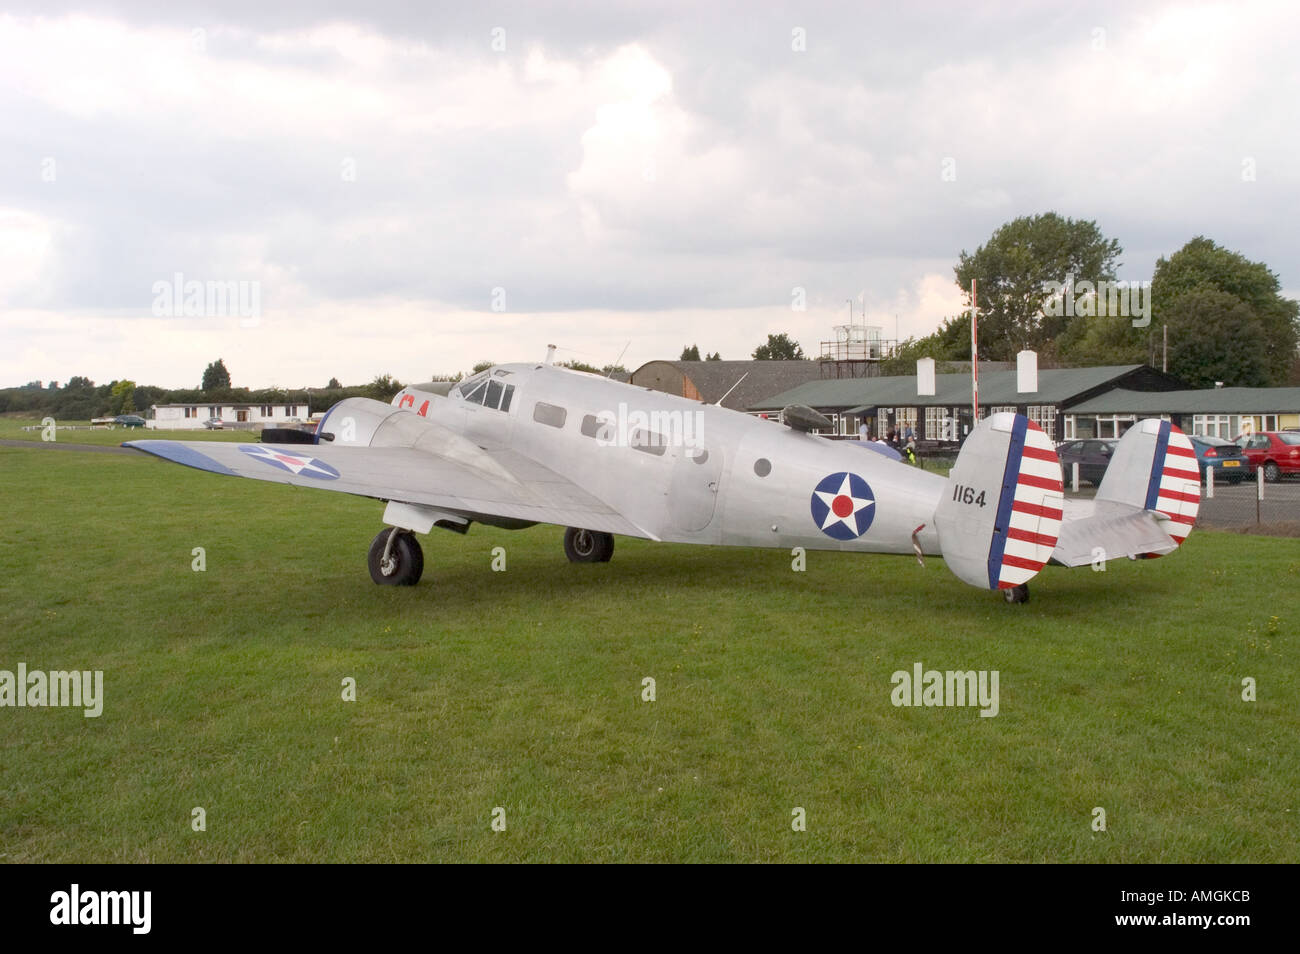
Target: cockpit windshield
[(486, 389)]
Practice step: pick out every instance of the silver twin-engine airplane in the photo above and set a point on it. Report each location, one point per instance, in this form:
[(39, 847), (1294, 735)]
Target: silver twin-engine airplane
[(522, 444)]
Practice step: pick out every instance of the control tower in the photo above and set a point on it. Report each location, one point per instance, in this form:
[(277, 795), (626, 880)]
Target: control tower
[(855, 352)]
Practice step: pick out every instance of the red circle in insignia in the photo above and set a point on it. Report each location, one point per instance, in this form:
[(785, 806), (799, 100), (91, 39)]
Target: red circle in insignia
[(842, 506)]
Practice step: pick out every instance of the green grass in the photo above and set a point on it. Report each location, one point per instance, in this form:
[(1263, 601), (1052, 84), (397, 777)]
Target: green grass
[(15, 429), (521, 689)]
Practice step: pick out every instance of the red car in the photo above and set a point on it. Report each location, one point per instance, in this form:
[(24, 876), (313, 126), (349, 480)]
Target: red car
[(1274, 452)]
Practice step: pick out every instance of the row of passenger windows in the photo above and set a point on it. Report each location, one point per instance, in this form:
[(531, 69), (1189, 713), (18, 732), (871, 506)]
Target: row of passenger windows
[(554, 416)]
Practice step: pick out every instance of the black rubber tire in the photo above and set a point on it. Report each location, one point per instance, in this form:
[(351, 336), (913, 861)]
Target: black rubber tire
[(588, 546), (407, 559), (1272, 473), (1017, 594)]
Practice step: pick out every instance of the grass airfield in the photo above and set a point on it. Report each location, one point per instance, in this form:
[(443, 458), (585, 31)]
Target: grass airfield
[(522, 690)]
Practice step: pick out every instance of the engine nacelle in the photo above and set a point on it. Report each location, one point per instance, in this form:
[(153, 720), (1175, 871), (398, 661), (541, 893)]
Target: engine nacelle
[(362, 422)]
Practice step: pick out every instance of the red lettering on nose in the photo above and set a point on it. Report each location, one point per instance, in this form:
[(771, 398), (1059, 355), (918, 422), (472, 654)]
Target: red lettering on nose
[(842, 506)]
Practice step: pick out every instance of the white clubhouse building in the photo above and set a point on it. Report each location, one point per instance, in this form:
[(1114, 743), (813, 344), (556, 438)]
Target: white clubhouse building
[(169, 417)]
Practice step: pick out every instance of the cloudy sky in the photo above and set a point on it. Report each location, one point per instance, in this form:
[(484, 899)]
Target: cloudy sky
[(408, 188)]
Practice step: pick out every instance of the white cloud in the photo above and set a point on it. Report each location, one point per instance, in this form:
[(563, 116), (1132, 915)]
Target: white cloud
[(663, 176)]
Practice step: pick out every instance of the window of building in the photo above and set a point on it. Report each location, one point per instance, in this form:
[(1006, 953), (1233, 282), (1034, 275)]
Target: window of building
[(1226, 426), (549, 414), (1044, 415), (939, 425), (1113, 425)]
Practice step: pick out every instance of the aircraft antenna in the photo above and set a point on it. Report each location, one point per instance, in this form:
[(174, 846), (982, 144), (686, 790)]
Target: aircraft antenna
[(619, 360), (730, 389)]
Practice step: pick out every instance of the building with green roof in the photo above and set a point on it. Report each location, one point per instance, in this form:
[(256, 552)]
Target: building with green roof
[(887, 403)]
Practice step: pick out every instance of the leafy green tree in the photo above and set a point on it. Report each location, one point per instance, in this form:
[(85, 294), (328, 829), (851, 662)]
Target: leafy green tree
[(1215, 336), (215, 376), (120, 398), (334, 384), (716, 356), (77, 383), (482, 366), (779, 348), (950, 342), (609, 369), (1202, 265), (1011, 269), (690, 354), (383, 387), (1106, 339)]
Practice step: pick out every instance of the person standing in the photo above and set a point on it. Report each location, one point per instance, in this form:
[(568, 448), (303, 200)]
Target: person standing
[(864, 432)]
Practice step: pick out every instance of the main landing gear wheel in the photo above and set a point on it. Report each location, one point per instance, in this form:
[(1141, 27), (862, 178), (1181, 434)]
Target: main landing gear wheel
[(1017, 594), (588, 546), (395, 558)]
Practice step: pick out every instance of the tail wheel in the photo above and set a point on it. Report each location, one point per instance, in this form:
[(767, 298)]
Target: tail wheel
[(395, 558), (1272, 473), (588, 546), (1016, 594)]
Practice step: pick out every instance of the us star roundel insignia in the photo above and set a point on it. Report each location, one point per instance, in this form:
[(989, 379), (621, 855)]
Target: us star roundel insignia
[(300, 465), (843, 506)]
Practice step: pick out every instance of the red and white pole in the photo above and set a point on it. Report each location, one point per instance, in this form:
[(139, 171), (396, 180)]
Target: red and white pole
[(974, 359)]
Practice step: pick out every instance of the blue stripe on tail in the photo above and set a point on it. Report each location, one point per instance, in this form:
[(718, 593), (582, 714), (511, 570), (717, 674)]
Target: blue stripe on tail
[(1158, 465), (1010, 477)]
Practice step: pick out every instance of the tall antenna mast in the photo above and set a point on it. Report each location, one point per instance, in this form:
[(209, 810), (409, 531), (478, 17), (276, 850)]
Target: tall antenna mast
[(974, 358)]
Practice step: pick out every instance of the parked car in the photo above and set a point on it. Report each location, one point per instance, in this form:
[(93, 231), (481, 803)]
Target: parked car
[(1223, 457), (214, 424), (1092, 456), (1276, 453), (129, 420)]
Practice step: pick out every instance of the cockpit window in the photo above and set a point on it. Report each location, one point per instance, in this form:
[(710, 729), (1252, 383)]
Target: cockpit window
[(483, 388), (464, 388)]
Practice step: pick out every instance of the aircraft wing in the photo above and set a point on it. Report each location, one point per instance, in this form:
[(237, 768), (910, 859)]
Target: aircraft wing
[(495, 483), (1109, 529)]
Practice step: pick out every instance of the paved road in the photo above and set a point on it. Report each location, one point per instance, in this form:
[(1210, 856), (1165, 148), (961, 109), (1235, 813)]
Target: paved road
[(59, 445)]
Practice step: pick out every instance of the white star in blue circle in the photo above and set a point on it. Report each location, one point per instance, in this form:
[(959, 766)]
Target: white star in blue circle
[(300, 465), (843, 506)]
